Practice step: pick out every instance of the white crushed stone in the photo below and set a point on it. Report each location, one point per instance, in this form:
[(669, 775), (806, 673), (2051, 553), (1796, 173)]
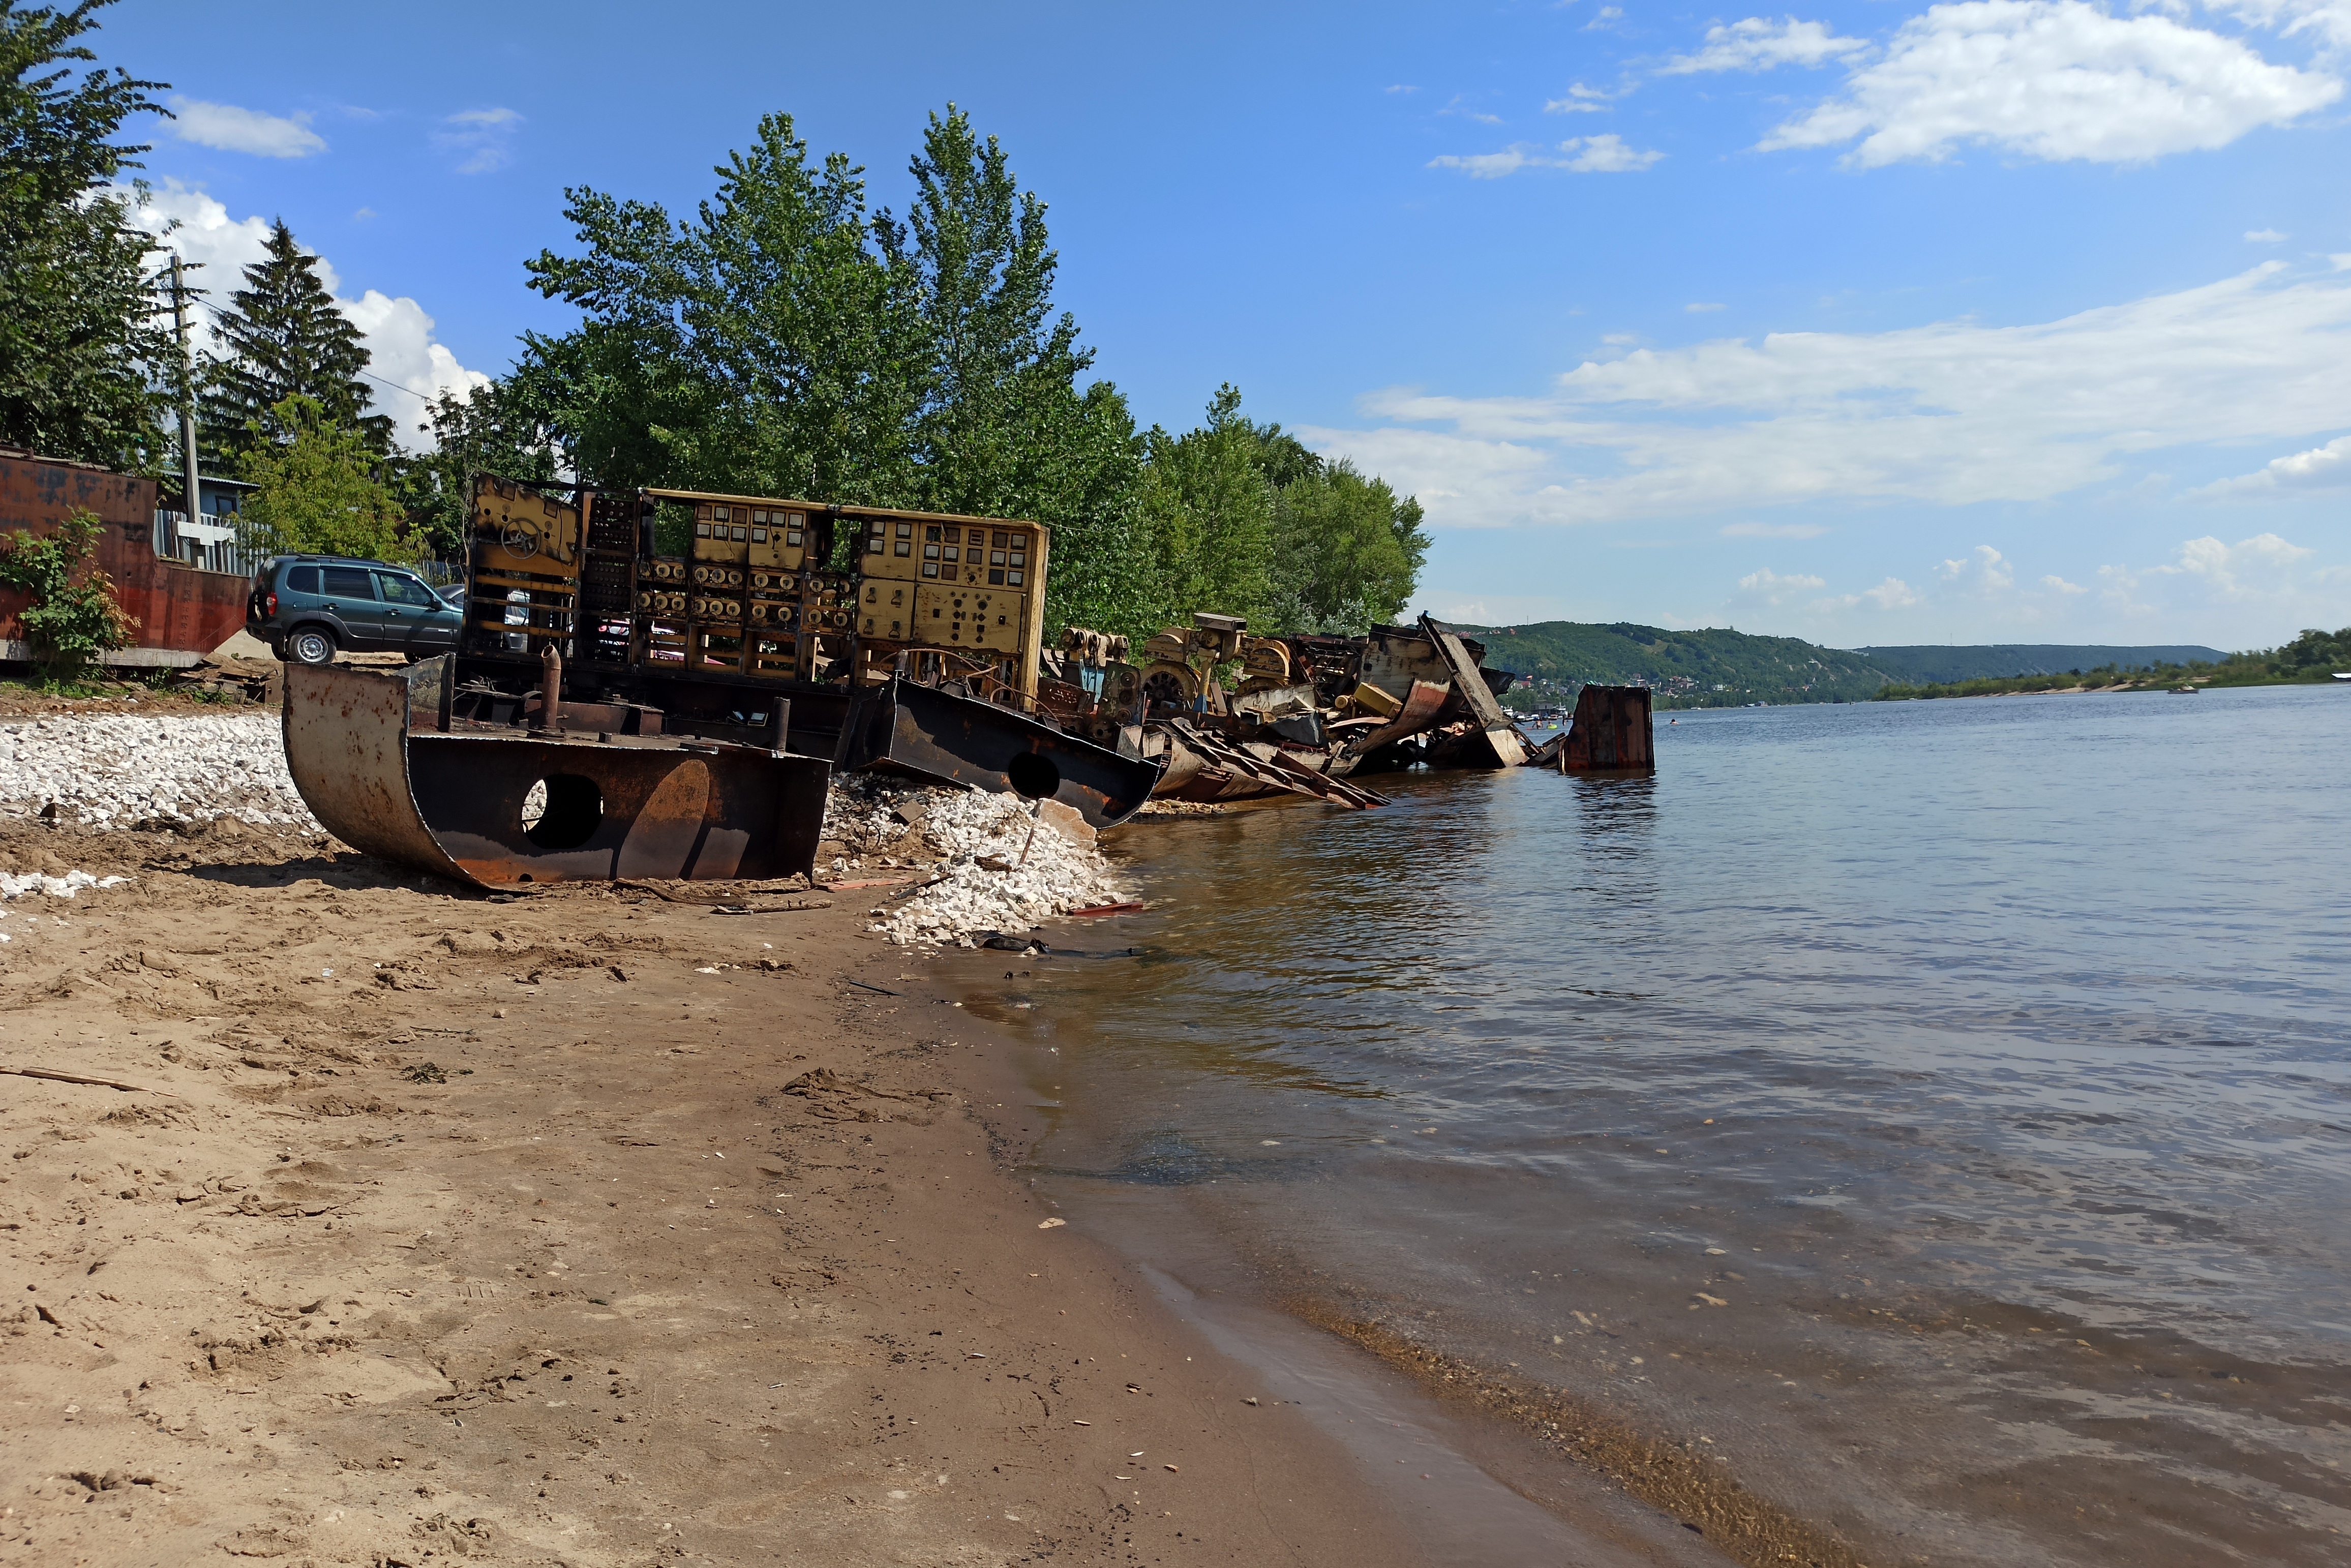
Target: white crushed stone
[(971, 901), (64, 887), (118, 770)]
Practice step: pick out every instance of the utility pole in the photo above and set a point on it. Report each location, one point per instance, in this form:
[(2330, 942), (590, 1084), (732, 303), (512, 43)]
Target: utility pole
[(190, 484)]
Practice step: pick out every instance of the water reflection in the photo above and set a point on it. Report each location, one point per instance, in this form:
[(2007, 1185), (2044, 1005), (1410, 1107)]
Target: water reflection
[(1859, 1091)]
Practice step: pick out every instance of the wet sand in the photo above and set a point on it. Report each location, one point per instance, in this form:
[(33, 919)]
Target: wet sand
[(568, 1230)]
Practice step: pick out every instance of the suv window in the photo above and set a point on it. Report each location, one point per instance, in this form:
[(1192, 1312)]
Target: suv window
[(347, 583), (397, 588), (302, 579)]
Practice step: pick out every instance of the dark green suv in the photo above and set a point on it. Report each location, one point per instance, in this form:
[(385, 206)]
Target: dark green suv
[(308, 608)]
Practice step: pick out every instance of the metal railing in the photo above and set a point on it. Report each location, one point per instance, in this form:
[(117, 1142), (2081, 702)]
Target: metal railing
[(209, 543)]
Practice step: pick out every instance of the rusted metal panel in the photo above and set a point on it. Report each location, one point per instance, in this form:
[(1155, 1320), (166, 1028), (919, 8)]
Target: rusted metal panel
[(934, 733), (500, 809), (1509, 747), (1613, 729), (177, 606), (1424, 701)]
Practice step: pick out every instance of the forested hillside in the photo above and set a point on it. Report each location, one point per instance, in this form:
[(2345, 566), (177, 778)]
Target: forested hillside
[(1712, 668), (1998, 661)]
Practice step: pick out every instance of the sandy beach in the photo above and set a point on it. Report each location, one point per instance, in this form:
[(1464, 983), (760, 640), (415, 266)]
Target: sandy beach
[(566, 1229)]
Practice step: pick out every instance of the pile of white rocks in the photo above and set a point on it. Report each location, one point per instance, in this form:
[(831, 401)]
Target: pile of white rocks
[(118, 770), (999, 867)]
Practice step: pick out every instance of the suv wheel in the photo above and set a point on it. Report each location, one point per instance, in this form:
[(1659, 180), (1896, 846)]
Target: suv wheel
[(311, 645)]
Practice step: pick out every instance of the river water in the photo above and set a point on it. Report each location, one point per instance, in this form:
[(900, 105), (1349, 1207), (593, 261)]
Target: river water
[(1935, 1115)]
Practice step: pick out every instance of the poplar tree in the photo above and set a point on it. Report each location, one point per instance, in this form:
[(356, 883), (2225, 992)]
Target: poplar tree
[(283, 336)]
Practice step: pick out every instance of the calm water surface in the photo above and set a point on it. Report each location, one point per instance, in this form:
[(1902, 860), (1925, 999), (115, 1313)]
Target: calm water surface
[(1939, 1111)]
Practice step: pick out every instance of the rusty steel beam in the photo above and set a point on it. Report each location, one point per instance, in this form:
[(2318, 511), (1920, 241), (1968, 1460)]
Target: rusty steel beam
[(502, 809)]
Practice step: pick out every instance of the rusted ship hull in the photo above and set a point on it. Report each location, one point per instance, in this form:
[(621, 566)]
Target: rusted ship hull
[(496, 807)]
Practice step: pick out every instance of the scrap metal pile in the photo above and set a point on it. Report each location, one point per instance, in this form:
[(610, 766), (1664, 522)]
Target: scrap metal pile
[(1305, 716)]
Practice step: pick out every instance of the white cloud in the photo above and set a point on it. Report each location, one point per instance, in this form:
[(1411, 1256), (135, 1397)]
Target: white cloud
[(1577, 154), (1603, 16), (397, 332), (2329, 19), (1772, 588), (1983, 571), (1757, 45), (1892, 594), (2320, 468), (484, 137), (2340, 260), (1579, 100), (1606, 155), (1773, 530), (1494, 165), (1953, 414), (1698, 308), (2054, 80), (232, 130), (2260, 566), (2056, 584), (2265, 236)]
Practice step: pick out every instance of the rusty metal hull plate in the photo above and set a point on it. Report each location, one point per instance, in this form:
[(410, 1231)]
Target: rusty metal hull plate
[(1612, 728), (455, 804), (939, 735)]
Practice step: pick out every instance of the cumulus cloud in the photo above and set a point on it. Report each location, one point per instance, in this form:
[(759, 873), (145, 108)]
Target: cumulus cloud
[(2055, 80), (1983, 571), (232, 130), (1773, 530), (1892, 594), (1758, 45), (2320, 468), (2056, 584), (397, 332), (1578, 154), (1954, 414), (483, 138), (2265, 236), (1773, 587), (2329, 20)]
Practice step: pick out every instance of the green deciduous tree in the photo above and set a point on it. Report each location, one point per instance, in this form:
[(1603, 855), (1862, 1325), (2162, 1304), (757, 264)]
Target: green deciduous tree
[(763, 348), (70, 613), (84, 344), (321, 490), (283, 336), (786, 340)]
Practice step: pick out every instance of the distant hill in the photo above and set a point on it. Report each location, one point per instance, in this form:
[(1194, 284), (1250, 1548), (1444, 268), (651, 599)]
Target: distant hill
[(1998, 661), (1687, 669), (1719, 668)]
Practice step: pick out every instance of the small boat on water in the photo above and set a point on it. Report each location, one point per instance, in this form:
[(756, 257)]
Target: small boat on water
[(2185, 691), (2343, 674)]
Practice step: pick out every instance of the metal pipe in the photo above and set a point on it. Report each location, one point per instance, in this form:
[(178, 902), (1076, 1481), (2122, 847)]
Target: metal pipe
[(550, 699), (191, 484), (780, 716)]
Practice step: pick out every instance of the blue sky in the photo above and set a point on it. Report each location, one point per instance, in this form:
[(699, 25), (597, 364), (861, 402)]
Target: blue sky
[(1996, 320)]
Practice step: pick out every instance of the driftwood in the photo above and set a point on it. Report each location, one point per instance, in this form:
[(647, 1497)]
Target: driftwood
[(85, 1078)]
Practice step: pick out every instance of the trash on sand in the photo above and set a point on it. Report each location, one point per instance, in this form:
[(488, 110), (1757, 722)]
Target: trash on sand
[(1049, 1224)]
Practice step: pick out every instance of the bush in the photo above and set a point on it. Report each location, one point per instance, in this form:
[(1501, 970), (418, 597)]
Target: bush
[(68, 621)]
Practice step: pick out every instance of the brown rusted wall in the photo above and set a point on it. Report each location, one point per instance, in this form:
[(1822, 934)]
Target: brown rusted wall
[(176, 606)]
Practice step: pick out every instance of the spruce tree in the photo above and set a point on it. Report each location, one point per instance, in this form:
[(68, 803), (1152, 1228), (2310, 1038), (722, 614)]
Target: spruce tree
[(285, 338)]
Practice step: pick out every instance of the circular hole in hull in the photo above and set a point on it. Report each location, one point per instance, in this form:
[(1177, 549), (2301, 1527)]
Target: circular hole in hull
[(561, 811)]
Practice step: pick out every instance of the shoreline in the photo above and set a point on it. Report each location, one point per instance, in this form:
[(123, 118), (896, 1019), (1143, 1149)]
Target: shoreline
[(340, 1292)]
